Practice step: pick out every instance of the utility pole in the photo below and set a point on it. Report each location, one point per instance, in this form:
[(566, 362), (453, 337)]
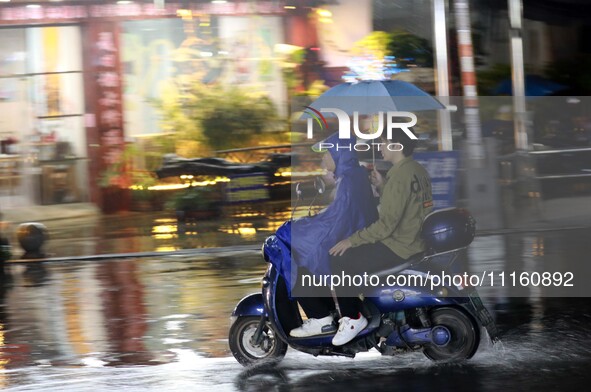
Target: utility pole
[(480, 177), (466, 53), (517, 75), (442, 74)]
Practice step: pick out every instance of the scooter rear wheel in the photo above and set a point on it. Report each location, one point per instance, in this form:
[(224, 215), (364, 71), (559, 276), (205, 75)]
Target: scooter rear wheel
[(463, 336), (244, 348)]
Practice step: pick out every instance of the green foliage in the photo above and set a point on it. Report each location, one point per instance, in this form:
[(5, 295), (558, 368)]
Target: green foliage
[(118, 174), (374, 44), (216, 117), (141, 183), (290, 65), (315, 90), (410, 49), (489, 79), (193, 199), (179, 112), (289, 68), (153, 148), (406, 47), (232, 117)]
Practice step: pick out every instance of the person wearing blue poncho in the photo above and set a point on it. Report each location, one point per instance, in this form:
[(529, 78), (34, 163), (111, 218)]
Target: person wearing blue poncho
[(353, 208)]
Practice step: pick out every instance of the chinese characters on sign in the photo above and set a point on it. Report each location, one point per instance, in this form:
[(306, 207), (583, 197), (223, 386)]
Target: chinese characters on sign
[(442, 167), (24, 13), (76, 13), (109, 108)]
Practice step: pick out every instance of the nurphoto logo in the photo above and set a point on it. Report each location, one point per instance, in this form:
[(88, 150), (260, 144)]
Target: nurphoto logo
[(345, 128)]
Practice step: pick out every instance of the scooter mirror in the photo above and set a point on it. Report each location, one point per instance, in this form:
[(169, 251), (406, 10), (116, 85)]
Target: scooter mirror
[(298, 189), (319, 185)]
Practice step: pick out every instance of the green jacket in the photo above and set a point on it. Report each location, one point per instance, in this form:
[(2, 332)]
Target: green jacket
[(405, 202)]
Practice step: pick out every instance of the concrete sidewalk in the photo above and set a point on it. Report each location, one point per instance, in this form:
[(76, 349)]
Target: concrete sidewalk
[(36, 213)]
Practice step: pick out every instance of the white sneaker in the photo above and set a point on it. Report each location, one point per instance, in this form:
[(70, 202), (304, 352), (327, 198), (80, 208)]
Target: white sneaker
[(348, 329), (314, 326)]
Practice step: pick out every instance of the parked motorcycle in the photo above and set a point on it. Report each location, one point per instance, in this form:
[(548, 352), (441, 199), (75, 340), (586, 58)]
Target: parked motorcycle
[(445, 322)]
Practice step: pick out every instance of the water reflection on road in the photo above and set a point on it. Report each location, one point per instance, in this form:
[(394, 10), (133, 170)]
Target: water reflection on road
[(65, 326), (142, 232), (124, 311)]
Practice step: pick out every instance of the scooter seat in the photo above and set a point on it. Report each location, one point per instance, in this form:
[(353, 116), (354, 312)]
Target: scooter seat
[(401, 267)]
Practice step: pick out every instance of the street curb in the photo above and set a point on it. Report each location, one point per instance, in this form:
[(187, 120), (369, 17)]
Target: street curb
[(221, 252), (486, 233), (41, 214)]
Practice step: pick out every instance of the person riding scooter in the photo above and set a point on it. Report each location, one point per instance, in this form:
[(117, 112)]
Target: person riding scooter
[(353, 208), (405, 201)]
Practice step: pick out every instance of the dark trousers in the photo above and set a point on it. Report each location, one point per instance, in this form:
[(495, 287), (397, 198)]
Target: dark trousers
[(368, 258)]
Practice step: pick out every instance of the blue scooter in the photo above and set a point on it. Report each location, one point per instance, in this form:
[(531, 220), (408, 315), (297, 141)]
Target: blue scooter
[(444, 322)]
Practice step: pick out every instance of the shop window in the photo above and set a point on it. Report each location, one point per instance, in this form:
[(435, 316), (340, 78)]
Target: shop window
[(42, 106)]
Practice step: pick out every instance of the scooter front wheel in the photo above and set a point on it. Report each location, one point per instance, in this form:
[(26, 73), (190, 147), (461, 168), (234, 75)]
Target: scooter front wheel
[(246, 350)]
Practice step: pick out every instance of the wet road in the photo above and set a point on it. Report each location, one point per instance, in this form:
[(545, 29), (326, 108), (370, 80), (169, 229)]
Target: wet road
[(162, 324)]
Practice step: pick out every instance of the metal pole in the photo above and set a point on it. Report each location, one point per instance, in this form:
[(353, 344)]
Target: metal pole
[(471, 110), (480, 173), (517, 75), (442, 73)]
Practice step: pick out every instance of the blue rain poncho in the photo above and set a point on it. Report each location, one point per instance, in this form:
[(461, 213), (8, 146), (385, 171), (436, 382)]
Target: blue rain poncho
[(353, 208)]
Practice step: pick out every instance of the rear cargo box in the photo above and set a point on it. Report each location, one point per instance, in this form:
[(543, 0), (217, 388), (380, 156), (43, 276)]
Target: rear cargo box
[(448, 229)]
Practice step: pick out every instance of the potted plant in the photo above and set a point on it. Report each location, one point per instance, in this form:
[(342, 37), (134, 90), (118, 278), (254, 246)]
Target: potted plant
[(196, 202), (115, 193), (142, 197), (115, 182)]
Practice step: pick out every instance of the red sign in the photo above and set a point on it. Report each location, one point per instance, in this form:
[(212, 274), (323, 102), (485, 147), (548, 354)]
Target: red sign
[(109, 111), (42, 13), (69, 13)]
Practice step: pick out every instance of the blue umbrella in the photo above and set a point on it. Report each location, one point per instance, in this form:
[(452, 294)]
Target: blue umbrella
[(373, 96), (535, 86)]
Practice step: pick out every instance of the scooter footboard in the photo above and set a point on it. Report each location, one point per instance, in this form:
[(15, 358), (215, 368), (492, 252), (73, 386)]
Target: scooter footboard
[(251, 305)]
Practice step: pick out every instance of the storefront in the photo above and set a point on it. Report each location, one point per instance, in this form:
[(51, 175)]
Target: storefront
[(77, 81)]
